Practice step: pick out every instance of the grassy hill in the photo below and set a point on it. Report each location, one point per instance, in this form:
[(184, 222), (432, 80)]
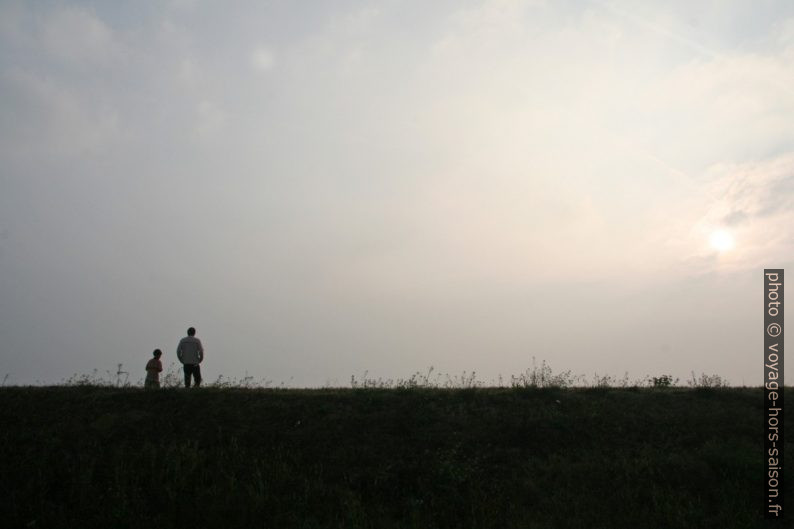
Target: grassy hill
[(381, 458)]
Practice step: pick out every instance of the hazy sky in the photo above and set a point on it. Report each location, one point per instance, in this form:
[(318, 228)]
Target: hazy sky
[(328, 188)]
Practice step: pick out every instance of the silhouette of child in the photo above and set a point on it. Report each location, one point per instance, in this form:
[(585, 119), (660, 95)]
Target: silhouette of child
[(153, 368)]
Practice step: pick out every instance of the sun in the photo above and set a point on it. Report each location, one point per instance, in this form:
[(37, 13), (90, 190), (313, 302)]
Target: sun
[(722, 240)]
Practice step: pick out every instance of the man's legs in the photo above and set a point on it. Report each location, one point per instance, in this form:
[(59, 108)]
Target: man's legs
[(192, 369), (188, 369)]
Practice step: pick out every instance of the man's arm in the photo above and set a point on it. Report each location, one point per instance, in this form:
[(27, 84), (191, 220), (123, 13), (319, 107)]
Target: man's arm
[(200, 351), (179, 351)]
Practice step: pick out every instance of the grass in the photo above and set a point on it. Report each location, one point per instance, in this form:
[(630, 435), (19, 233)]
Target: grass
[(540, 375), (87, 455)]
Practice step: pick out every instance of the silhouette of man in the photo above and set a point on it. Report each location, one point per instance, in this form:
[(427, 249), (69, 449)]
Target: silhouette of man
[(190, 353)]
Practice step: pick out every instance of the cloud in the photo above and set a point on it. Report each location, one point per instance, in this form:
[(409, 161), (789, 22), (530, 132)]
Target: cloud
[(735, 218), (262, 59), (756, 190), (549, 146), (43, 117), (754, 201), (77, 35), (211, 120), (182, 4), (57, 81)]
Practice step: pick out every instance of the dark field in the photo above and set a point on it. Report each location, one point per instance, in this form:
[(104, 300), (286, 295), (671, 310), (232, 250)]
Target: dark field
[(381, 458)]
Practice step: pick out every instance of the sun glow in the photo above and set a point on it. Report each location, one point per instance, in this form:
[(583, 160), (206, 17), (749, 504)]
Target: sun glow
[(722, 240)]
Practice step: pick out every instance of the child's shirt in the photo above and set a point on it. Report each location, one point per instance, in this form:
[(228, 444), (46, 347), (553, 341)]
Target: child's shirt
[(153, 368)]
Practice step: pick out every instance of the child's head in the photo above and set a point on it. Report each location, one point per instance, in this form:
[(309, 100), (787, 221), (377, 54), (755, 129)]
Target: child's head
[(157, 353)]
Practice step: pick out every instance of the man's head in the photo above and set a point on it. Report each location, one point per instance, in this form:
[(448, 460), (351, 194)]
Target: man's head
[(191, 332), (157, 353)]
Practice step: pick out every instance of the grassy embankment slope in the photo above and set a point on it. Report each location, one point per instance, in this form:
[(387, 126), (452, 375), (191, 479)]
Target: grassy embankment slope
[(103, 457)]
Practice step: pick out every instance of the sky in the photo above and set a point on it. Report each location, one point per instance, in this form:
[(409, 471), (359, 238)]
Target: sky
[(327, 189)]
